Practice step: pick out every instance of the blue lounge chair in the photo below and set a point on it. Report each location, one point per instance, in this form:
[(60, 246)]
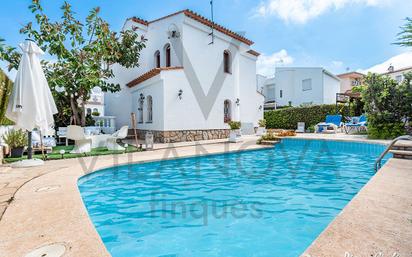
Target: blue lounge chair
[(331, 122), (357, 123)]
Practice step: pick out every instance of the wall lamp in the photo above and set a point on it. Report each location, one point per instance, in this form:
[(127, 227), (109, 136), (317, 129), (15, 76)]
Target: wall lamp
[(237, 101), (260, 107), (180, 94), (142, 97)]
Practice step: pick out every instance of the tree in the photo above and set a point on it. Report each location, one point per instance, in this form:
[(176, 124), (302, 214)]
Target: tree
[(83, 55), (5, 90), (388, 105), (405, 36)]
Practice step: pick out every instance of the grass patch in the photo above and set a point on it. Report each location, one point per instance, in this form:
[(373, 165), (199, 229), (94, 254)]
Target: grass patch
[(55, 154)]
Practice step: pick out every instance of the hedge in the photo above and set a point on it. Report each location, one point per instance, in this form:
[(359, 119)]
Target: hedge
[(311, 115), (5, 89)]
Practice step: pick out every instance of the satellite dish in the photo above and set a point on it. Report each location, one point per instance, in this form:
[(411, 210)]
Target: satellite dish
[(173, 32)]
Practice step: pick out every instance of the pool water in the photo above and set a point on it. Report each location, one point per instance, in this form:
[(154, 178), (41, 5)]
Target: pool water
[(263, 203)]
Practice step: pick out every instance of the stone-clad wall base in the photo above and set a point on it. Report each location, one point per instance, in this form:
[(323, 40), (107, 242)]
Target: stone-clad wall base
[(183, 135)]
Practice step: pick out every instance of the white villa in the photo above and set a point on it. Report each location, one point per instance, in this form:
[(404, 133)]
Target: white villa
[(194, 77), (296, 86), (95, 104)]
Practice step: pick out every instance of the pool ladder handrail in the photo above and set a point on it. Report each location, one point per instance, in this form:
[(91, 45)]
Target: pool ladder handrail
[(378, 162)]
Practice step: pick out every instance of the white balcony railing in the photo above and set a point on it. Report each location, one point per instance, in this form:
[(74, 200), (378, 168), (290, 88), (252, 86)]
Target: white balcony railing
[(106, 123)]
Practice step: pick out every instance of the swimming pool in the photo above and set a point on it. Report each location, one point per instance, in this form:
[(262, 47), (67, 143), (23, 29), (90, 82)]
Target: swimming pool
[(270, 202)]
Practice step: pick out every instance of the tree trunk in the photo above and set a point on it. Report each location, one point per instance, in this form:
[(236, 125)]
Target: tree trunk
[(82, 113), (75, 111)]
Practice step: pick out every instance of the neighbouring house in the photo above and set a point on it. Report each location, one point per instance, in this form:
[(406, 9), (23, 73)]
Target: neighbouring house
[(268, 88), (194, 77), (295, 86), (95, 104), (397, 74), (349, 80)]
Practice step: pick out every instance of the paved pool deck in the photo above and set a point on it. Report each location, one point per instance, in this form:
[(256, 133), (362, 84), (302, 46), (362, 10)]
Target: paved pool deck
[(42, 206)]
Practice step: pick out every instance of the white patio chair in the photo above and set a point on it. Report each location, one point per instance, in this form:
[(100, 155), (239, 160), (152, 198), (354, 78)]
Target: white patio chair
[(112, 144), (82, 143)]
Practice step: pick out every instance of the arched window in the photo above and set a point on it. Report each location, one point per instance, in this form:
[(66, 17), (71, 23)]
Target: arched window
[(140, 110), (227, 62), (149, 109), (89, 111), (227, 111), (167, 55), (157, 59)]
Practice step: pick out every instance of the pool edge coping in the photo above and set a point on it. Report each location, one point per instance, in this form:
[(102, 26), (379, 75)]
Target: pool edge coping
[(152, 160)]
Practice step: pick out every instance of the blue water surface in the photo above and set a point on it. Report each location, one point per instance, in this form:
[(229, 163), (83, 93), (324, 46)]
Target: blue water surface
[(260, 203)]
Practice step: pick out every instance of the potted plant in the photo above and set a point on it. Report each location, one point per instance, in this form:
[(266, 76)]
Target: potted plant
[(262, 127), (235, 133), (16, 140)]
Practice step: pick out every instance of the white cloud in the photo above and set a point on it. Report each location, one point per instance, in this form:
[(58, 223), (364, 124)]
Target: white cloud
[(300, 11), (266, 64), (337, 64), (400, 61)]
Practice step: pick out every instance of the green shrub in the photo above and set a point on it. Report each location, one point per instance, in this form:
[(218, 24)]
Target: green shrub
[(262, 123), (90, 121), (234, 124), (15, 138), (6, 86), (311, 115), (387, 104), (386, 131)]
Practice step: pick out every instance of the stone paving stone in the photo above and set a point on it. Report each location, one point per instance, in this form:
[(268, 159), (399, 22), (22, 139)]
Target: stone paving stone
[(5, 198), (2, 209), (7, 191), (17, 183)]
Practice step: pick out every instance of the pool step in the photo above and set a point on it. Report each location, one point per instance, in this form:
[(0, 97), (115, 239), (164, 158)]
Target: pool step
[(402, 147), (402, 154), (269, 142)]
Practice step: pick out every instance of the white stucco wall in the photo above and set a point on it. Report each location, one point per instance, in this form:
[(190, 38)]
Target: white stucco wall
[(331, 86), (251, 101), (290, 80), (203, 67), (269, 88), (153, 87)]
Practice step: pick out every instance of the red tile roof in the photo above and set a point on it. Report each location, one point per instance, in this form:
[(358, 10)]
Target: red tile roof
[(150, 74), (253, 52), (141, 21), (351, 74), (202, 20)]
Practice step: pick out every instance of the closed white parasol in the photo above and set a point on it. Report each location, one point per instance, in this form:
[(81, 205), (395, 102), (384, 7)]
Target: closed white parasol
[(31, 105)]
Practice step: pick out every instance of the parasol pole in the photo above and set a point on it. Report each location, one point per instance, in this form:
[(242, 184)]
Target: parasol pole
[(42, 146), (29, 146)]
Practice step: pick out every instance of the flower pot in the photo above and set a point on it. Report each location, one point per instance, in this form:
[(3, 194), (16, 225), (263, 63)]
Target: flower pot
[(235, 135), (17, 152), (260, 131)]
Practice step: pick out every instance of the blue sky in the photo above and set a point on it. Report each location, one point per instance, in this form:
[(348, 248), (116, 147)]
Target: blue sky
[(335, 34)]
